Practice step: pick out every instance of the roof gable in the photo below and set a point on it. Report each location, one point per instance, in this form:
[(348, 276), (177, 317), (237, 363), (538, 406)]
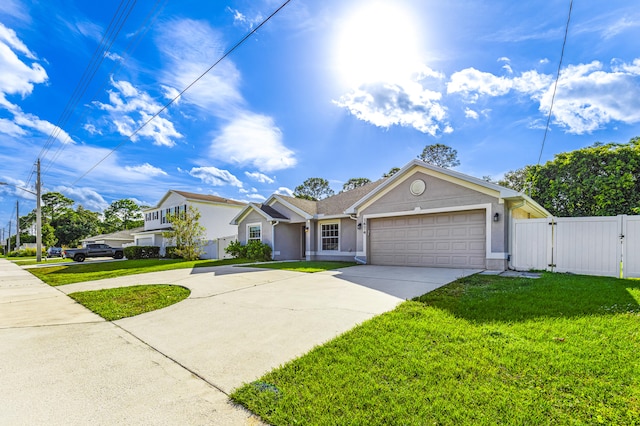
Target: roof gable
[(192, 196), (452, 176)]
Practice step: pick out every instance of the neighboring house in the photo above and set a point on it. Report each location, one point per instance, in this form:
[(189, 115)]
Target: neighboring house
[(215, 216), (115, 239), (423, 215)]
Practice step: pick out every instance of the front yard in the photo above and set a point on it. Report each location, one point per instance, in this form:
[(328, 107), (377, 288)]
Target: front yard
[(79, 272), (562, 349)]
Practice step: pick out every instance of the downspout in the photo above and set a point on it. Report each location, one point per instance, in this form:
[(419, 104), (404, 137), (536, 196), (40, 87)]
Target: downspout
[(356, 258), (273, 239)]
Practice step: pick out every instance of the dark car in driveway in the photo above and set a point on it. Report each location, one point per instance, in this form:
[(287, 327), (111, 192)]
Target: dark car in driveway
[(54, 252)]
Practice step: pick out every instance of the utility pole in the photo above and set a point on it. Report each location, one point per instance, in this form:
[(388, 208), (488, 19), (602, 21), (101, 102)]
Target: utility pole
[(17, 225), (9, 238), (38, 217)]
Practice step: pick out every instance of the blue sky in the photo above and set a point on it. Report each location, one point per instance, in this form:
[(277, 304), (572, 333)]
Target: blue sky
[(331, 89)]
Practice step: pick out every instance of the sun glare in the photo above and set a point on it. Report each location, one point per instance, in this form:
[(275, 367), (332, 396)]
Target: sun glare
[(378, 41)]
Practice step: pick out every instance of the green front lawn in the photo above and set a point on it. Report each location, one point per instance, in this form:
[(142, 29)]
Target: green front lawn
[(79, 272), (303, 266), (116, 303), (27, 261), (484, 350)]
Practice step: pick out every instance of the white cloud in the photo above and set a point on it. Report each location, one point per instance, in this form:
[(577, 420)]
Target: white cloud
[(622, 24), (146, 169), (86, 197), (215, 176), (8, 127), (406, 104), (260, 177), (469, 113), (92, 129), (43, 126), (252, 139), (589, 97), (532, 83), (113, 56), (17, 77), (242, 19), (284, 191), (16, 9), (191, 47), (471, 83), (126, 101), (255, 197)]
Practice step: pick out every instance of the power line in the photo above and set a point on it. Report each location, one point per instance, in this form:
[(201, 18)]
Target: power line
[(555, 87), (115, 26), (224, 55), (140, 33)]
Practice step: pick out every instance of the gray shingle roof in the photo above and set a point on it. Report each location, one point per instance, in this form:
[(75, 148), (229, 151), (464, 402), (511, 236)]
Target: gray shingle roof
[(337, 204), (272, 212), (306, 206)]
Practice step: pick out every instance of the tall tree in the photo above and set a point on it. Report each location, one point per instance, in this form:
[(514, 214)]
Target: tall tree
[(122, 214), (391, 172), (353, 183), (75, 225), (518, 179), (186, 233), (313, 189), (599, 180), (55, 204), (440, 155)]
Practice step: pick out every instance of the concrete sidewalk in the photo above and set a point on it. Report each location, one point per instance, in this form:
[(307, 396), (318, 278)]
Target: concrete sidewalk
[(61, 364)]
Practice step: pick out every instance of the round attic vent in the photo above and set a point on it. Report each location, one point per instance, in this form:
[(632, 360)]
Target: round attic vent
[(417, 187)]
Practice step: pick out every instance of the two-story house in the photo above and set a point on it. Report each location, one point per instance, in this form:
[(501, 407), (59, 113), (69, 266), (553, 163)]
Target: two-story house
[(216, 214)]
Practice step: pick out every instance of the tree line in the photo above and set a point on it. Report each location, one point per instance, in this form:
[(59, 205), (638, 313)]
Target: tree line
[(64, 225)]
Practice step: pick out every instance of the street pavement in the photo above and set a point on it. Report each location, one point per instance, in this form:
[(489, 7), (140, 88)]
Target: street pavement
[(62, 364)]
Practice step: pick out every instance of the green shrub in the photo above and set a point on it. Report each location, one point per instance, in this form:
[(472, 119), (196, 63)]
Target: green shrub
[(254, 250), (170, 253), (28, 252), (236, 249), (257, 250), (142, 252)]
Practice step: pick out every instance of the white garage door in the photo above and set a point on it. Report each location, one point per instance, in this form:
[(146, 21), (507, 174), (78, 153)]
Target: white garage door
[(147, 241), (448, 240)]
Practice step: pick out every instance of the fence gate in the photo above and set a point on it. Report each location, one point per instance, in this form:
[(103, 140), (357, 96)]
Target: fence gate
[(602, 245)]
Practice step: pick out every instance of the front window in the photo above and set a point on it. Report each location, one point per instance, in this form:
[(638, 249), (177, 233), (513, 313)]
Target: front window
[(254, 232), (330, 234)]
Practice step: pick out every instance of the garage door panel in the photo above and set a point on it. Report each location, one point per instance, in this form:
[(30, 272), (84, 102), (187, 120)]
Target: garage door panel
[(456, 239)]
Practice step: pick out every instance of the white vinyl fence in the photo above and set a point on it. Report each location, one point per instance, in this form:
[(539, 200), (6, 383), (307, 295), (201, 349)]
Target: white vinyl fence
[(604, 245)]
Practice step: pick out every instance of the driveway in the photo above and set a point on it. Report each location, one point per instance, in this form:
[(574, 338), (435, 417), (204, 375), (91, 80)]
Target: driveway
[(177, 364)]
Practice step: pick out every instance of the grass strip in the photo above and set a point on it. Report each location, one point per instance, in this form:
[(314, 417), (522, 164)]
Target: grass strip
[(80, 272), (116, 303), (483, 350), (304, 266)]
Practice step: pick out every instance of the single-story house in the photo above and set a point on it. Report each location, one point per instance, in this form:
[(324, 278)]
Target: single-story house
[(423, 215), (115, 239), (215, 216)]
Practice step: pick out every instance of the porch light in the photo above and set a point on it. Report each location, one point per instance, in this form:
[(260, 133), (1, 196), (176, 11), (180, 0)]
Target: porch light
[(360, 226), (496, 217)]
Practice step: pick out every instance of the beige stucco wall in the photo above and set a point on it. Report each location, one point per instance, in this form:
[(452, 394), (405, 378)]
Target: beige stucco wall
[(442, 194)]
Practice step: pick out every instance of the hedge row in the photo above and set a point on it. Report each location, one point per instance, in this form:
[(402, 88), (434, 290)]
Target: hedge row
[(142, 252)]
